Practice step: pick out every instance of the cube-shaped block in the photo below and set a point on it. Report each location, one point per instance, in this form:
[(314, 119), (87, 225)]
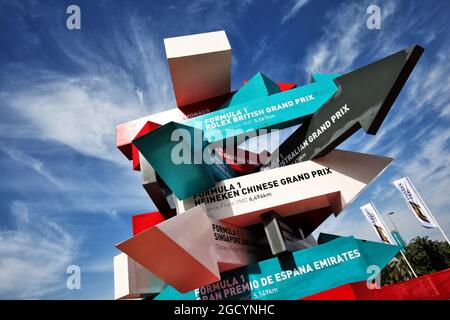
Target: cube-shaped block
[(142, 222), (200, 66), (282, 237), (132, 281)]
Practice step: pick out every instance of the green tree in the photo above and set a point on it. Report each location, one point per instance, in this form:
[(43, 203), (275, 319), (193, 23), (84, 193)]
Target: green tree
[(428, 256), (425, 256), (396, 271)]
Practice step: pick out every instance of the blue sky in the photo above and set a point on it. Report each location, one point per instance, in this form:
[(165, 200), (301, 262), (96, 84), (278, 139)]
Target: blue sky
[(67, 194)]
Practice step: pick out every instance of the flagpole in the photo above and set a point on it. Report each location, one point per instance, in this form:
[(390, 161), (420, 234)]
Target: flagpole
[(401, 251), (407, 262), (429, 211)]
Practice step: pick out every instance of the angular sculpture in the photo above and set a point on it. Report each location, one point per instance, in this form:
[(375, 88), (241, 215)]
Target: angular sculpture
[(229, 225), (157, 146), (338, 106), (327, 184)]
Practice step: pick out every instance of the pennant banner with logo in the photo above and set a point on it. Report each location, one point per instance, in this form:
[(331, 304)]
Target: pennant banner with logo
[(374, 218), (415, 202)]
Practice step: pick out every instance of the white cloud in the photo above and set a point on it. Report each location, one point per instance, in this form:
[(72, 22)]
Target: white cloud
[(298, 4), (430, 167), (32, 163), (101, 266), (82, 110), (344, 39), (80, 113), (262, 50), (34, 255)]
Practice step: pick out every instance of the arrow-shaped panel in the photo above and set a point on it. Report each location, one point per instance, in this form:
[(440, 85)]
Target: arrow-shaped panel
[(327, 184), (190, 250), (363, 100), (340, 261)]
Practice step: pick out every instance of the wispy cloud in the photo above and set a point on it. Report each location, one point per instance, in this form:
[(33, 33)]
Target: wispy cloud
[(80, 113), (298, 4), (430, 167), (35, 255), (422, 106), (82, 109), (345, 38), (262, 46), (32, 163), (99, 267)]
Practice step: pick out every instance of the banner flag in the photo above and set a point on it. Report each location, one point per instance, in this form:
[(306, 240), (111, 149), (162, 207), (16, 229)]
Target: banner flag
[(337, 262), (415, 202), (374, 218)]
